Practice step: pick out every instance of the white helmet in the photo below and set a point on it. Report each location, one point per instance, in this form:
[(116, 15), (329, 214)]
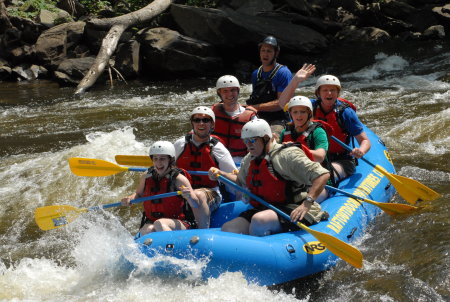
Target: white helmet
[(227, 81), (256, 128), (204, 110), (162, 148), (327, 80), (300, 101)]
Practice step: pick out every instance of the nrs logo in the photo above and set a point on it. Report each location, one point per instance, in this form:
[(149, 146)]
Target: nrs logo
[(314, 247)]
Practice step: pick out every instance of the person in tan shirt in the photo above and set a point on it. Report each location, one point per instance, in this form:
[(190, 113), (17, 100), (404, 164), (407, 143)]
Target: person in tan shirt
[(280, 174)]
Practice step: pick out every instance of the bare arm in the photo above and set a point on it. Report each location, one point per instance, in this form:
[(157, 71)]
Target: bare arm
[(139, 192), (271, 106), (364, 145), (318, 154), (183, 184), (317, 186), (302, 74)]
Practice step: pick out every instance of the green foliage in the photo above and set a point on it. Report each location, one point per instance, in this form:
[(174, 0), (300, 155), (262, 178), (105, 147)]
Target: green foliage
[(31, 8), (136, 4), (202, 3), (95, 6)]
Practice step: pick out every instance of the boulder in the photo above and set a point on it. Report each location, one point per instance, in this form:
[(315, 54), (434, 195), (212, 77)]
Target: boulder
[(229, 29), (76, 68), (64, 80), (52, 18), (166, 54), (127, 59), (54, 44), (23, 72), (371, 35), (434, 32), (248, 7)]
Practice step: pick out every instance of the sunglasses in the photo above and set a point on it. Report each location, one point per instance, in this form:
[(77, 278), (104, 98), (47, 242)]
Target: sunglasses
[(250, 140), (204, 120)]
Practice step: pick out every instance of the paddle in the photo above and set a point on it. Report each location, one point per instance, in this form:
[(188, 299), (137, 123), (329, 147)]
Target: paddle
[(52, 217), (409, 189), (341, 249), (389, 208), (97, 167), (134, 160)]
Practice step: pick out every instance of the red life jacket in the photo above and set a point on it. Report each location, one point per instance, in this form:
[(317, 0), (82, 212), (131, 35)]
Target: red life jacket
[(262, 181), (171, 207), (229, 128), (199, 158), (289, 135), (334, 118)]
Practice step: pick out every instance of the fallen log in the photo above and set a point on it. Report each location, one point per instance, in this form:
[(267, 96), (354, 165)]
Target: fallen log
[(117, 26)]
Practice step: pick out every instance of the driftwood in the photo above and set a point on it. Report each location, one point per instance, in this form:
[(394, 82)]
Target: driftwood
[(117, 26)]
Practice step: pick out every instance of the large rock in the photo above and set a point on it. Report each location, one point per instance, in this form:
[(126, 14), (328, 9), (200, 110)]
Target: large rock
[(76, 68), (229, 29), (127, 59), (167, 54), (53, 45)]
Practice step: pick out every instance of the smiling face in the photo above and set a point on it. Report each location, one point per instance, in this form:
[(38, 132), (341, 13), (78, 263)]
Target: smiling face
[(328, 94), (267, 54), (202, 125), (229, 96), (161, 163), (300, 115)]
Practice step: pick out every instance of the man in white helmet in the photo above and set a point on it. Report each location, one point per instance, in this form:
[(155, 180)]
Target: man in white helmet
[(199, 151), (268, 82), (231, 116), (282, 176), (340, 114), (172, 213)]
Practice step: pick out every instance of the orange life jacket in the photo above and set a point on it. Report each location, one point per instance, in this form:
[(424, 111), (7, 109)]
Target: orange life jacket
[(229, 128), (199, 158), (171, 207)]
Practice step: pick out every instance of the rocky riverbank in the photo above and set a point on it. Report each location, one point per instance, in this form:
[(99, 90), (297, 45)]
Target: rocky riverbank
[(186, 41)]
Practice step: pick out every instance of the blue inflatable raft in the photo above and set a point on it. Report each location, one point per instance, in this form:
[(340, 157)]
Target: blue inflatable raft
[(279, 258)]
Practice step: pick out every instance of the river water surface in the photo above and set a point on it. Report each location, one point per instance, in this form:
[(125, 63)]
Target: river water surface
[(42, 126)]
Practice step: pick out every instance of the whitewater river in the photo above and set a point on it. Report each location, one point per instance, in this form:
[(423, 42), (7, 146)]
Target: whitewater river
[(41, 127)]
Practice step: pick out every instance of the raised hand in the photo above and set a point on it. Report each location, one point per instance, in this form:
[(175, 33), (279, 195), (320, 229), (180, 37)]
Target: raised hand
[(305, 72)]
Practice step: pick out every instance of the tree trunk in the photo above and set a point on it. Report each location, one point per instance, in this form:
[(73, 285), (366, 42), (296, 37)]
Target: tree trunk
[(117, 26)]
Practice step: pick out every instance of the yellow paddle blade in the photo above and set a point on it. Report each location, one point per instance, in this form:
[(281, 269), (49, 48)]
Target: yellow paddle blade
[(409, 189), (338, 247), (134, 160), (93, 167), (392, 208), (52, 217)]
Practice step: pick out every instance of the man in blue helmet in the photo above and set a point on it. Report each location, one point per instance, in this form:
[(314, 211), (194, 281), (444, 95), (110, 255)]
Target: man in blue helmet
[(268, 82)]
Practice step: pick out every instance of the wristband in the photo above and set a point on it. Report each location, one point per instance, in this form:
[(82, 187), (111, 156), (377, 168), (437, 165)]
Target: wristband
[(309, 199)]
